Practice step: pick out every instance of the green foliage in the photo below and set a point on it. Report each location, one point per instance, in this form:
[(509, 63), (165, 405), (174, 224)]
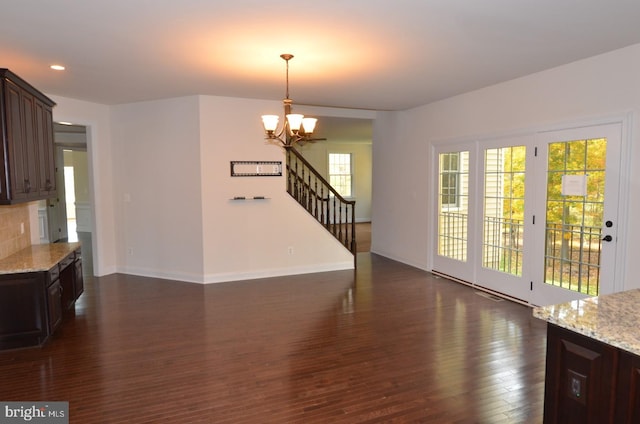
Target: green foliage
[(580, 157)]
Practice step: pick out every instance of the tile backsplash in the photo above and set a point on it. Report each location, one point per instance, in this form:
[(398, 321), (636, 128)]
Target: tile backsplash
[(15, 232)]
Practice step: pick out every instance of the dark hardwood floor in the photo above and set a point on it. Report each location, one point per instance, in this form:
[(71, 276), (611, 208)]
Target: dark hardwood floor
[(363, 237), (386, 344)]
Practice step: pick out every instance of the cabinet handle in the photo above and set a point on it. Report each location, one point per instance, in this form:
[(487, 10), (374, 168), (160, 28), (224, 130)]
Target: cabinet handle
[(48, 186), (27, 186)]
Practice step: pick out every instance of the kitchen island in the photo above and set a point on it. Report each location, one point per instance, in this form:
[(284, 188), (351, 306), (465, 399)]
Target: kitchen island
[(37, 285), (593, 359)]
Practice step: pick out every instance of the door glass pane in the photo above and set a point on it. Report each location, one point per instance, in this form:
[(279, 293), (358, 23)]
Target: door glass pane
[(503, 220), (453, 204), (575, 205)]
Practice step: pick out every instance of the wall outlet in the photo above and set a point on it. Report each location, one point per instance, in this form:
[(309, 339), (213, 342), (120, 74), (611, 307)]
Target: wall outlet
[(130, 251), (290, 250)]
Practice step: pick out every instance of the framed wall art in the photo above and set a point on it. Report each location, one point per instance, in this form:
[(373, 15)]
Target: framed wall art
[(256, 168)]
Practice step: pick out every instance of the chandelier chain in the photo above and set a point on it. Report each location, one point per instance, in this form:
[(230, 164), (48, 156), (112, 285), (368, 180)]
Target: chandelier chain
[(287, 79)]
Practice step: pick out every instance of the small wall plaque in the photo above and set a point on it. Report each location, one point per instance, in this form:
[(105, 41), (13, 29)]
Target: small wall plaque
[(247, 168)]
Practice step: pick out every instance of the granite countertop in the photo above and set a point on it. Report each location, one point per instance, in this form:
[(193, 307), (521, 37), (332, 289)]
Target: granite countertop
[(613, 319), (39, 257)]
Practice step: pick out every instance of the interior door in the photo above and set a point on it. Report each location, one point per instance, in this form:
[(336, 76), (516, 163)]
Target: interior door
[(577, 228)]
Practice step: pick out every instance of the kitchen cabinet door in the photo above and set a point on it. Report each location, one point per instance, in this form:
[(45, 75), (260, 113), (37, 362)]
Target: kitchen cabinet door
[(28, 167), (45, 149), (580, 379), (628, 391)]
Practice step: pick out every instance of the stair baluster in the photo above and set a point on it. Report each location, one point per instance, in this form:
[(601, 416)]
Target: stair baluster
[(321, 200)]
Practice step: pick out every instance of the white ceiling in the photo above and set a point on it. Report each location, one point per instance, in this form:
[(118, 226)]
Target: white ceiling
[(368, 54)]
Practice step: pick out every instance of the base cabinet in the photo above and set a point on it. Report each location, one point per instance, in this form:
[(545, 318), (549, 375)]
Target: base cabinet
[(33, 304), (23, 319), (78, 279), (628, 408), (588, 381), (66, 277), (54, 306)]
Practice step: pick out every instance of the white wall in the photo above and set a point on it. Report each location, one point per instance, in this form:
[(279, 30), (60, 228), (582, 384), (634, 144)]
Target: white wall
[(594, 88), (400, 184), (250, 239), (161, 187), (158, 197), (97, 118)]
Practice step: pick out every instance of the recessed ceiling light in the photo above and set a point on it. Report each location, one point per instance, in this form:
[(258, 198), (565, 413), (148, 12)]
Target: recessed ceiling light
[(57, 67)]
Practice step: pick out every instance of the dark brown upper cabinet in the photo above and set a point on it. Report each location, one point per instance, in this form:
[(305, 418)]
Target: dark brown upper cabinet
[(26, 122)]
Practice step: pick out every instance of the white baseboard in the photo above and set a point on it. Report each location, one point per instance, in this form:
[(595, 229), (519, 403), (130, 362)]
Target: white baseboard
[(234, 276)]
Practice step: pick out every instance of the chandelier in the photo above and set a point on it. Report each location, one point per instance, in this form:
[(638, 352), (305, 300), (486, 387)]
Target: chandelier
[(295, 128)]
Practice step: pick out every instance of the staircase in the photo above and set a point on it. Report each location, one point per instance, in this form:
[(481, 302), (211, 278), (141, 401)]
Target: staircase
[(321, 200)]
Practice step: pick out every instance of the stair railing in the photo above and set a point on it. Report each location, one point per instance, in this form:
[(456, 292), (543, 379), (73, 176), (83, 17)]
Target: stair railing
[(321, 200)]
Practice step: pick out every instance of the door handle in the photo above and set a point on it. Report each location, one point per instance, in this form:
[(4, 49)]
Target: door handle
[(607, 238)]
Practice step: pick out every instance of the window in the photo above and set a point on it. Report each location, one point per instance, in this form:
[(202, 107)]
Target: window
[(449, 173), (453, 193), (341, 173)]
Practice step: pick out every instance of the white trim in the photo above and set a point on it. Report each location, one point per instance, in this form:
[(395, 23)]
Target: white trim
[(105, 271), (481, 288), (624, 119), (622, 246), (235, 276), (389, 255), (43, 225), (614, 118), (277, 272), (446, 264)]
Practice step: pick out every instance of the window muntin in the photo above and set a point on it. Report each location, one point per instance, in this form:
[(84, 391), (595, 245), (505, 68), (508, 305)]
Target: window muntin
[(341, 173)]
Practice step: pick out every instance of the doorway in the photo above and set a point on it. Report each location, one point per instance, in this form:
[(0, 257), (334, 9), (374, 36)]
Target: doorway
[(69, 215), (580, 207), (533, 217)]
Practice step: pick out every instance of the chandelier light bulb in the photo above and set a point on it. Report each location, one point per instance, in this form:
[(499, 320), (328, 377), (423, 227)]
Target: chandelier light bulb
[(295, 121), (309, 124), (270, 122)]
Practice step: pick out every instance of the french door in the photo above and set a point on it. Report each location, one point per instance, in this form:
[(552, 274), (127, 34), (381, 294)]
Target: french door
[(579, 206), (533, 217), (506, 174), (456, 204)]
